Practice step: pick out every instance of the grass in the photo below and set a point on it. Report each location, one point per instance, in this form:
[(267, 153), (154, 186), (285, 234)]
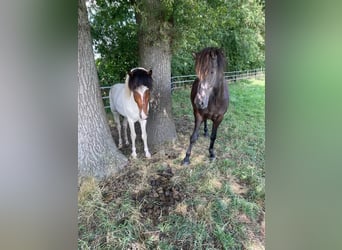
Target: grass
[(223, 201)]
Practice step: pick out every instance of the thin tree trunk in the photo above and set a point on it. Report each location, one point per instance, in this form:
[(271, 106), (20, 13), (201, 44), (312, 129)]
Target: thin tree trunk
[(97, 152)]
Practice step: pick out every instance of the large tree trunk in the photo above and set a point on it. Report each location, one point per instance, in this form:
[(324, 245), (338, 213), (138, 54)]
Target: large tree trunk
[(97, 152), (155, 54)]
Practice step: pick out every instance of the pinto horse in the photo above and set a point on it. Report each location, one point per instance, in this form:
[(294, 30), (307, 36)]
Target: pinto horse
[(131, 100), (209, 96)]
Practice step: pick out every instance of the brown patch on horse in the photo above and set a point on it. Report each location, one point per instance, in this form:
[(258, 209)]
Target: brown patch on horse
[(146, 99), (142, 98)]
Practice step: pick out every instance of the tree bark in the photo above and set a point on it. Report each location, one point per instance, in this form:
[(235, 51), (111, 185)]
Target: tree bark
[(155, 54), (98, 155)]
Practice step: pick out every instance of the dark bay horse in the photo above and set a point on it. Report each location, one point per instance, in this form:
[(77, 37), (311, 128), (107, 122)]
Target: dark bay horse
[(209, 95)]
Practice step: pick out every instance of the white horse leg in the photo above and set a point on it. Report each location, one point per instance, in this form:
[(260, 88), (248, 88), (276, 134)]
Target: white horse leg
[(116, 117), (133, 136), (144, 137), (124, 123)]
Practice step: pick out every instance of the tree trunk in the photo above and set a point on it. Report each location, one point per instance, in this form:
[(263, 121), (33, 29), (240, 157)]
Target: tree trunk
[(155, 54), (97, 152)]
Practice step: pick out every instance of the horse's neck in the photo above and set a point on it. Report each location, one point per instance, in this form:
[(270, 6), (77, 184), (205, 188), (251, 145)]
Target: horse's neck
[(129, 97), (129, 105)]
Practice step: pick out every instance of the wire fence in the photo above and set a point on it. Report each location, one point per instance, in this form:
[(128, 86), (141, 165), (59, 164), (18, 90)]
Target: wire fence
[(187, 80)]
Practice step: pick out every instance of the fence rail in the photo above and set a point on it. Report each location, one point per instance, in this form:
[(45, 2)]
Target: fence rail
[(186, 80)]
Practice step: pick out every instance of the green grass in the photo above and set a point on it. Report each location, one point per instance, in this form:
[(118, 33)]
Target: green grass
[(223, 205)]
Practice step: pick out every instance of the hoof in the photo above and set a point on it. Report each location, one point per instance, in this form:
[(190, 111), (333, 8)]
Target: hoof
[(148, 155), (185, 162), (206, 134), (212, 158), (134, 155)]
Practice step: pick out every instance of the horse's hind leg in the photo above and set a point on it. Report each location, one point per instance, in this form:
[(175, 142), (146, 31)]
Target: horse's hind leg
[(116, 117), (144, 138), (216, 123), (125, 123), (193, 139)]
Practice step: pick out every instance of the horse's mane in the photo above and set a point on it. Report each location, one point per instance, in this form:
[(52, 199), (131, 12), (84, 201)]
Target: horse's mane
[(137, 77), (203, 63)]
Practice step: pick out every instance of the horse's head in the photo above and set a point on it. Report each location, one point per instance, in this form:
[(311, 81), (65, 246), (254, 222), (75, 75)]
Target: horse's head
[(140, 83), (209, 66)]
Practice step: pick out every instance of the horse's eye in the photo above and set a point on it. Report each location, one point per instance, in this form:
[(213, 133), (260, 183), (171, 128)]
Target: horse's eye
[(212, 72)]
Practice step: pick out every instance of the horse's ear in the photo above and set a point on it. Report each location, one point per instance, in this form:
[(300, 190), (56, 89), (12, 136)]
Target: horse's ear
[(130, 73), (149, 72), (193, 55)]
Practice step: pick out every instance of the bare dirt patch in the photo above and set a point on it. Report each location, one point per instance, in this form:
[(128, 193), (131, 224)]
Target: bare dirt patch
[(238, 187), (255, 231)]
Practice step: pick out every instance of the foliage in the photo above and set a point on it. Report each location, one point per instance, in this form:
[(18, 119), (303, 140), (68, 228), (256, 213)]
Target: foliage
[(115, 38), (236, 26)]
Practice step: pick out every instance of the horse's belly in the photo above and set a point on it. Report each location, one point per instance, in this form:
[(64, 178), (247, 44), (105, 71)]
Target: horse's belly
[(117, 98)]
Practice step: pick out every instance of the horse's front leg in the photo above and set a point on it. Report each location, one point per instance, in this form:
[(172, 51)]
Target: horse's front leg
[(205, 128), (133, 136), (193, 139), (144, 137), (216, 123)]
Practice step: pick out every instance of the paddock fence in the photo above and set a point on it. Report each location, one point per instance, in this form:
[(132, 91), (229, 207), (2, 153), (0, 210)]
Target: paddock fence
[(178, 82)]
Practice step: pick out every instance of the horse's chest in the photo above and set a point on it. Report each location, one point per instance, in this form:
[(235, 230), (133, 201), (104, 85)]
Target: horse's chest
[(132, 110), (214, 110), (210, 115)]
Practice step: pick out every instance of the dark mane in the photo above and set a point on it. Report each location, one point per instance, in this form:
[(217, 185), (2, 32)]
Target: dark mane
[(138, 77), (205, 59)]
